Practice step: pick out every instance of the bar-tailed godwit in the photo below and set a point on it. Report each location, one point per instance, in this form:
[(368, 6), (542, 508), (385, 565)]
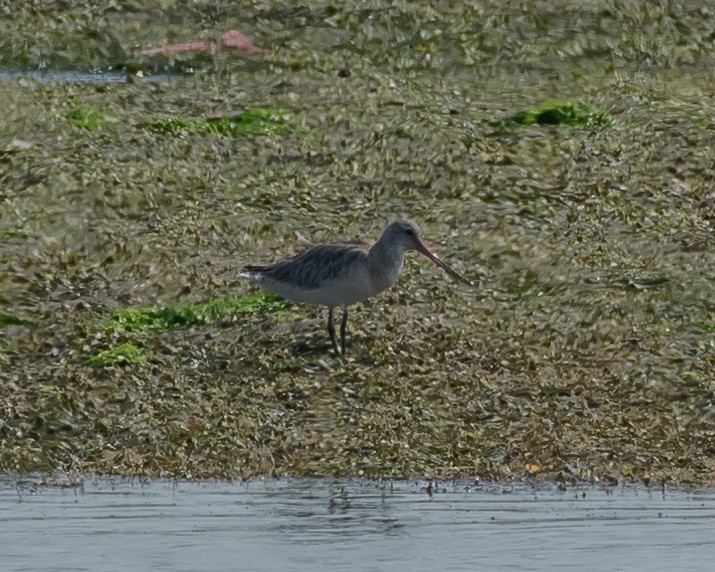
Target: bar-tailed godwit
[(343, 273)]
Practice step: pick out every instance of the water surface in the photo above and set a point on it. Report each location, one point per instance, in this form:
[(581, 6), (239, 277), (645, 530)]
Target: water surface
[(310, 524), (62, 77)]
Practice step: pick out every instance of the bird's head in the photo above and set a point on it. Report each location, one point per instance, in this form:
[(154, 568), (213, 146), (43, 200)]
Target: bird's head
[(404, 235)]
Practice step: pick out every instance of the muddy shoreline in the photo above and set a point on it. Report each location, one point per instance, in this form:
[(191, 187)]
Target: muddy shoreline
[(586, 351)]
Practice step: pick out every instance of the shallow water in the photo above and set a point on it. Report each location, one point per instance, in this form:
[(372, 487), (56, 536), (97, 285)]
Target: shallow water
[(61, 77), (310, 524)]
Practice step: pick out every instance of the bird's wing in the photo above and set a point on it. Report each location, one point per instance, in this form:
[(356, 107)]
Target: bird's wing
[(358, 242), (315, 266)]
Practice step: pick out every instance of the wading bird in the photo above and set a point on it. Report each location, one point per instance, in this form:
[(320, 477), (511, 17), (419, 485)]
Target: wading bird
[(343, 273)]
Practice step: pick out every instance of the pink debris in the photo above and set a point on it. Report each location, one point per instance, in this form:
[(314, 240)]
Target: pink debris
[(240, 41), (232, 39)]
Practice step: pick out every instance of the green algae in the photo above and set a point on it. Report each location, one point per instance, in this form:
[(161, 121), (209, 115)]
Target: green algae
[(10, 232), (123, 354), (557, 112), (184, 316), (89, 118), (254, 121), (11, 320)]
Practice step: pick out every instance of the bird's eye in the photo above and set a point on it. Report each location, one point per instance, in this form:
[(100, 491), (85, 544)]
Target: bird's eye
[(410, 232)]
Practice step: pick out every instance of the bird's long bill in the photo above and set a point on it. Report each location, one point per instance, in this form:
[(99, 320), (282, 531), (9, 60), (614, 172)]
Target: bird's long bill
[(434, 258)]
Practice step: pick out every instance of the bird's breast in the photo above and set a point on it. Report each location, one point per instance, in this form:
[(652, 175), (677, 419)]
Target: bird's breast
[(382, 277)]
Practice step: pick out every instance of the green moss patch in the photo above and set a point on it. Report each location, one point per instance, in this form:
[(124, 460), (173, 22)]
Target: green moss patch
[(10, 320), (557, 112), (147, 319), (705, 326), (124, 354), (14, 231), (88, 118), (256, 121)]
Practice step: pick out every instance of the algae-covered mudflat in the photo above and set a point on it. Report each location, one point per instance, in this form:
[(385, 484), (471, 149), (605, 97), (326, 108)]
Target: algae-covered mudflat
[(560, 154)]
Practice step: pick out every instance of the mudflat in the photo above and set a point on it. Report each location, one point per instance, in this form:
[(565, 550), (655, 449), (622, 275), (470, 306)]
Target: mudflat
[(559, 154)]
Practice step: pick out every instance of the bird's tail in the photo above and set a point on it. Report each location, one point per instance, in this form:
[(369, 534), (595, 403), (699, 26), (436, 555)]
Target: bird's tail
[(252, 273)]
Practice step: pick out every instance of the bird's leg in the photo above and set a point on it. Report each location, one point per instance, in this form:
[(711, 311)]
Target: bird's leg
[(343, 327), (331, 331)]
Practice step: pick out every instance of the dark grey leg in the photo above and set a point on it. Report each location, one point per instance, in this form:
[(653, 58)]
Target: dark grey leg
[(343, 327), (331, 331)]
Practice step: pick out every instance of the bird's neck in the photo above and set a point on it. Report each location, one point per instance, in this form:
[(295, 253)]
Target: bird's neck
[(385, 263)]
